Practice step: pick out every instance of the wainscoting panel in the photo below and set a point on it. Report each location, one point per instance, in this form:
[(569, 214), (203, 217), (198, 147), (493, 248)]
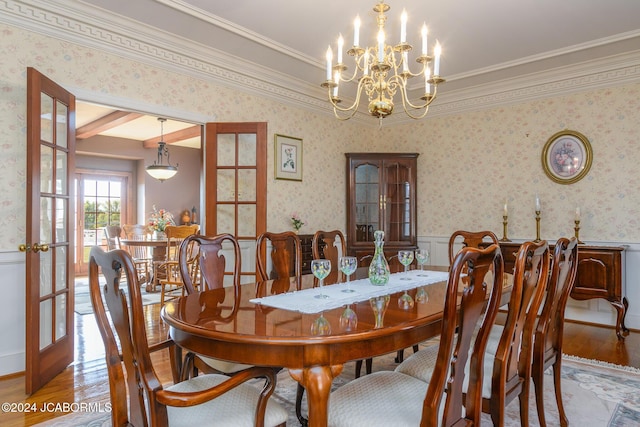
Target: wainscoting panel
[(12, 313)]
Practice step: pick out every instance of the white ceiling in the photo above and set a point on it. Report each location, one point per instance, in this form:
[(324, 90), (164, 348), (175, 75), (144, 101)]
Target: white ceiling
[(485, 42)]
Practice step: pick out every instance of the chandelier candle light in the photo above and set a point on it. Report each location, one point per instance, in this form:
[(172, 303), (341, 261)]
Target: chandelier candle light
[(383, 70), (505, 222), (537, 219)]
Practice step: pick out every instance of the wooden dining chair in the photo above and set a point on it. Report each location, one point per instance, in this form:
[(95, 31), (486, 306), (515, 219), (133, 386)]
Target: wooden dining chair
[(167, 272), (112, 234), (547, 342), (140, 254), (472, 239), (330, 245), (510, 348), (394, 398), (285, 256), (210, 264), (286, 261), (138, 397), (507, 363)]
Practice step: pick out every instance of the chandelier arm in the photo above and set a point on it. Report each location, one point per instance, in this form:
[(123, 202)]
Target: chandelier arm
[(424, 107), (354, 106)]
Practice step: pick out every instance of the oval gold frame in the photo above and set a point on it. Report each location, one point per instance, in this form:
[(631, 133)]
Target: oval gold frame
[(585, 165)]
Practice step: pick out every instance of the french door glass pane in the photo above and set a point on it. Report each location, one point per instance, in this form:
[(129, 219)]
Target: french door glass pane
[(247, 185), (61, 124), (46, 169), (247, 220), (46, 118), (226, 219), (61, 316), (226, 185), (46, 276), (226, 149), (247, 149), (46, 312)]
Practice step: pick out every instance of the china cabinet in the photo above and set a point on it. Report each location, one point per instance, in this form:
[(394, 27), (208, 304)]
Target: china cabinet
[(381, 195)]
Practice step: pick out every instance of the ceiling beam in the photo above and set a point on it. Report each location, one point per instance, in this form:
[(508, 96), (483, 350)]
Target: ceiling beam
[(105, 123), (177, 136)]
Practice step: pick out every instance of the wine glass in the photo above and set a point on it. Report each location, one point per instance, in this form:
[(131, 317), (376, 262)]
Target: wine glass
[(421, 295), (321, 326), (422, 257), (348, 265), (405, 301), (321, 269), (348, 319), (379, 307), (405, 258)]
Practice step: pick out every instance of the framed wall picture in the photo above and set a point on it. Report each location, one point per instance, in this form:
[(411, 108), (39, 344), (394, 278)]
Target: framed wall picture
[(567, 157), (288, 158)]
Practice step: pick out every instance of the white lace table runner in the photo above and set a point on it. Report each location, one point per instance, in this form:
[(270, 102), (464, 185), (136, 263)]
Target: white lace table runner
[(304, 301)]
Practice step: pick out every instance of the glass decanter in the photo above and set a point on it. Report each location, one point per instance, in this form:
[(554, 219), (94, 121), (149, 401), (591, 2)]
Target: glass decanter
[(379, 267)]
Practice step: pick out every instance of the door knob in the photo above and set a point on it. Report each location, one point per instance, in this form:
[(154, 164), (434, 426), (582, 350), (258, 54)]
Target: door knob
[(35, 248)]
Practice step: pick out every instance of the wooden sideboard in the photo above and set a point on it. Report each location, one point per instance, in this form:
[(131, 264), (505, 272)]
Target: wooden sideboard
[(599, 276)]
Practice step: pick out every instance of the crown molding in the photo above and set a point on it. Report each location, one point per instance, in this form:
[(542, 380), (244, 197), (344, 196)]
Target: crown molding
[(77, 22)]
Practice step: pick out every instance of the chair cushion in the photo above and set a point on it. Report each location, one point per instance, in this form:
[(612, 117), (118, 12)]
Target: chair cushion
[(420, 365), (223, 366), (383, 399), (234, 408)]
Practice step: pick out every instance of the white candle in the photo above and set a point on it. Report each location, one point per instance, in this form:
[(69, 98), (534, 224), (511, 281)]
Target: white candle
[(340, 45), (436, 66), (356, 31), (380, 46), (329, 59), (537, 203), (578, 214), (403, 26), (336, 79), (405, 61), (505, 209), (424, 39)]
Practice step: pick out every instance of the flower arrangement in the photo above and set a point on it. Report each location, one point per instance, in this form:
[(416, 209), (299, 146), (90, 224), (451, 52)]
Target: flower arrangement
[(296, 221), (159, 219)]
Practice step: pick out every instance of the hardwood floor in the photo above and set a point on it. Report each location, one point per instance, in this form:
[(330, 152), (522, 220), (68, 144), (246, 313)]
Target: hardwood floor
[(86, 380)]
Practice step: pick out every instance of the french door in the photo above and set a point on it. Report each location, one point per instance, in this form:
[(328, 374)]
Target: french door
[(102, 199), (49, 230), (236, 186)]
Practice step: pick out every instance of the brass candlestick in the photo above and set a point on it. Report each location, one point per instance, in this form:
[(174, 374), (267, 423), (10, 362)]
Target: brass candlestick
[(504, 229), (577, 230), (537, 227)]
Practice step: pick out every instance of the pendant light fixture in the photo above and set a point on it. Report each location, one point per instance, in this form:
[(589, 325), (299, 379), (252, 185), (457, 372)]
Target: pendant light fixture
[(158, 169)]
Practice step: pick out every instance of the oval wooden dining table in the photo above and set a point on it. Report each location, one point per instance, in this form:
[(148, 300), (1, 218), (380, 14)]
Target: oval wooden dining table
[(224, 324)]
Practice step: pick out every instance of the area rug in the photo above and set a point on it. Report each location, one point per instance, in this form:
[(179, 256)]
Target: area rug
[(82, 304), (595, 394)]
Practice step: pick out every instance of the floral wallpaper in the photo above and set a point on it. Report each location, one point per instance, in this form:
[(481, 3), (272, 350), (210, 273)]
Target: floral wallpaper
[(469, 164)]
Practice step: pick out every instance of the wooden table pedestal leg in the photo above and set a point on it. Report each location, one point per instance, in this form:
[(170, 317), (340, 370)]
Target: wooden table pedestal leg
[(317, 383)]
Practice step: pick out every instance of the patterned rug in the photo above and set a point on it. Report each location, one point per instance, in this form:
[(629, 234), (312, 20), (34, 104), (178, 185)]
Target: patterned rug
[(595, 394), (82, 302)]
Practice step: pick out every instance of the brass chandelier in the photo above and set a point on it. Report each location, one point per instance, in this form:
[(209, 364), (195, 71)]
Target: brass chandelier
[(381, 71)]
